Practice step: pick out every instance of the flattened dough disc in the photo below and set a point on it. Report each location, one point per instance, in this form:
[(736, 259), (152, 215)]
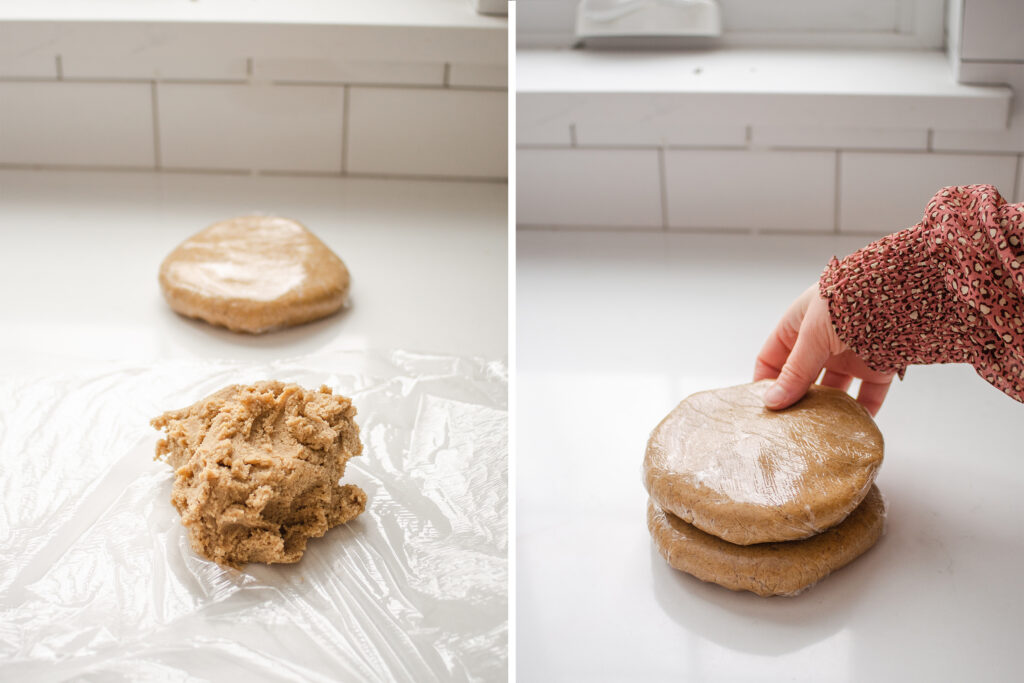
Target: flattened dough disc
[(254, 274), (767, 568), (724, 463)]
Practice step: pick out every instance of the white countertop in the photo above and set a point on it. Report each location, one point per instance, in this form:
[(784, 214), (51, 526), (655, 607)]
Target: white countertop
[(614, 329), (81, 250)]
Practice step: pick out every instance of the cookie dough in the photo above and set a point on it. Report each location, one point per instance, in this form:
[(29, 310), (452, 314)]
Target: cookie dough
[(724, 463), (254, 274), (767, 568), (257, 470)]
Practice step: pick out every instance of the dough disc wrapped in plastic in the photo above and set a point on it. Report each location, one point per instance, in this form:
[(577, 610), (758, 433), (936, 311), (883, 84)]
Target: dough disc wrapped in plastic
[(254, 274), (767, 568), (724, 463)]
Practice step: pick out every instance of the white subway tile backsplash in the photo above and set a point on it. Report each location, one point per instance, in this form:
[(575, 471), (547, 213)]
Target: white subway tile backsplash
[(848, 138), (478, 75), (660, 132), (554, 133), (750, 190), (1018, 195), (150, 67), (882, 193), (587, 187), (89, 124), (31, 65), (225, 126), (337, 71), (428, 132)]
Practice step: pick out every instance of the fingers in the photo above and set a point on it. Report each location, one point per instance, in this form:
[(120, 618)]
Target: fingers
[(773, 355), (810, 353), (872, 394), (838, 380)]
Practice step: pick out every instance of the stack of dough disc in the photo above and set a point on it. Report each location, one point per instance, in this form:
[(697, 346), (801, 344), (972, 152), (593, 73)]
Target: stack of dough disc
[(765, 501)]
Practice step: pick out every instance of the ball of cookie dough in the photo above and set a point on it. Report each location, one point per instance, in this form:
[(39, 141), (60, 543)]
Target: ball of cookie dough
[(724, 463), (766, 569), (254, 274), (257, 470)]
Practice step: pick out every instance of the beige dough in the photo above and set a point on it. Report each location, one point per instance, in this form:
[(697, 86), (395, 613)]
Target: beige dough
[(767, 568), (257, 470), (724, 463), (254, 274)]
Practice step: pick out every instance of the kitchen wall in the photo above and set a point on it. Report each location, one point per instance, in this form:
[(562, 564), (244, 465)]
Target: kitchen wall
[(813, 179), (242, 112), (773, 179)]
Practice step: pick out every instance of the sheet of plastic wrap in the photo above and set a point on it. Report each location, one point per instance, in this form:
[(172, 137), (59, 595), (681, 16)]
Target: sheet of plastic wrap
[(98, 582), (734, 469)]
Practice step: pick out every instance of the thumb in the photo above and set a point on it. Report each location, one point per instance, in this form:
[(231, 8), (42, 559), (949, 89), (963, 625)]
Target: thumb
[(804, 364)]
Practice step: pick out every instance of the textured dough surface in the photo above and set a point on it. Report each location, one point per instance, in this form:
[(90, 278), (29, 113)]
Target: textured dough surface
[(257, 470), (254, 274), (784, 568), (724, 463)]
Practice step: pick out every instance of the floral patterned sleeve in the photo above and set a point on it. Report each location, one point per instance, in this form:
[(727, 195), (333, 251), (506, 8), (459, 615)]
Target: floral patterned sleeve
[(948, 290)]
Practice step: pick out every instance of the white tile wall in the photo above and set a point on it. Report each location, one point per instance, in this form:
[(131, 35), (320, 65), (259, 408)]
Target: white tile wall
[(883, 192), (542, 133), (281, 128), (825, 137), (660, 132), (750, 189), (478, 75), (150, 67), (94, 124), (31, 65), (337, 71), (400, 131), (217, 109), (1019, 196), (588, 188)]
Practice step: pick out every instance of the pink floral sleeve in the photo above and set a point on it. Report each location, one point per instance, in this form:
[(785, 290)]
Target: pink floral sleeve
[(948, 290)]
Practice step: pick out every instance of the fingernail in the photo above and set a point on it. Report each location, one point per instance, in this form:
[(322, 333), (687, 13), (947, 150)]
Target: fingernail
[(774, 395)]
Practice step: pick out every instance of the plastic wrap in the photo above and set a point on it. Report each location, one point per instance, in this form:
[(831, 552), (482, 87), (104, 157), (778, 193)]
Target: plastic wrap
[(724, 463), (98, 582), (254, 274), (786, 569)]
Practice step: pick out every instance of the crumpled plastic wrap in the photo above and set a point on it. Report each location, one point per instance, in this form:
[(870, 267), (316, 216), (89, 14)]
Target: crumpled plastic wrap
[(98, 582), (725, 464)]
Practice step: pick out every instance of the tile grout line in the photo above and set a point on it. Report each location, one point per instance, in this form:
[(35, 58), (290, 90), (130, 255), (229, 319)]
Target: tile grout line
[(248, 69), (1017, 179), (797, 150), (663, 188), (157, 161), (60, 68), (446, 80), (572, 136), (92, 168), (345, 97), (836, 190), (930, 145)]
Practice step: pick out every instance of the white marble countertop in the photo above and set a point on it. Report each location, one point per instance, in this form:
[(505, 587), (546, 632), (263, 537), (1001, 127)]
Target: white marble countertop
[(614, 329), (81, 250)]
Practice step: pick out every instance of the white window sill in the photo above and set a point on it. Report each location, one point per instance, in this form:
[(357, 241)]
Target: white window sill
[(747, 87), (385, 30)]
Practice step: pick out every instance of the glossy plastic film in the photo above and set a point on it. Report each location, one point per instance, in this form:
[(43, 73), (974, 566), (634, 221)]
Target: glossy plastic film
[(98, 582), (724, 463)]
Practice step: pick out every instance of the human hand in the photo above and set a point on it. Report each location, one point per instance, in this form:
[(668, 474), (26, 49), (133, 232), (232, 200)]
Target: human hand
[(803, 344)]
